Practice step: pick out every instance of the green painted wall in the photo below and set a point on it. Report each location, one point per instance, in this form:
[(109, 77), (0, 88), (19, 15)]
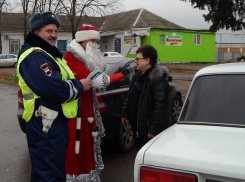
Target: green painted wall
[(188, 52)]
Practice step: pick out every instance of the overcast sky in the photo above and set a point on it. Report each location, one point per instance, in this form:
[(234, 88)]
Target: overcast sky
[(181, 13)]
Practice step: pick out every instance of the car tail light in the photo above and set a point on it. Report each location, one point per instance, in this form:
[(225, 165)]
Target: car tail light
[(20, 98), (102, 104), (156, 175)]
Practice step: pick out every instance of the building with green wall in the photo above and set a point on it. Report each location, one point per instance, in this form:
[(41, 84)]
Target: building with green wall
[(182, 46), (127, 31)]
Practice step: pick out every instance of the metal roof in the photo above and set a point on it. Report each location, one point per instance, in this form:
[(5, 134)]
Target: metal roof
[(138, 18), (15, 22)]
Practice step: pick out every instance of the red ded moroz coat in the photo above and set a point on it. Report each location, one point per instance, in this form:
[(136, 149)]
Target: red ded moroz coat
[(83, 162)]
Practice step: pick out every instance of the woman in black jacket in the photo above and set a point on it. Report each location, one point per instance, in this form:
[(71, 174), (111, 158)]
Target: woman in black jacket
[(147, 107)]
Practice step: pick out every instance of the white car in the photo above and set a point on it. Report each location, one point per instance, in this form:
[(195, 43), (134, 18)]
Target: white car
[(112, 54), (207, 144), (8, 60)]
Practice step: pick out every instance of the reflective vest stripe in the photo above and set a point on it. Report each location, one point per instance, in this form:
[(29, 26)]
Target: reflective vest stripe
[(72, 89), (28, 96), (69, 108)]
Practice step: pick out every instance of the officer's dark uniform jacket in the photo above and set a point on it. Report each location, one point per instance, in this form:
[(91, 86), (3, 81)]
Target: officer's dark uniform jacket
[(148, 105), (41, 73), (48, 85)]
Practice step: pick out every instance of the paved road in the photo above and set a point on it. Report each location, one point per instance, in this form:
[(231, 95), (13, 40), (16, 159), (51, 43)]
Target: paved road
[(14, 156), (15, 163)]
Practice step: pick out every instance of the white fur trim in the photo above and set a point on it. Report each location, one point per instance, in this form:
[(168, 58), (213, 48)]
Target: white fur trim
[(109, 80), (78, 48), (97, 82), (86, 35), (83, 176), (94, 134), (90, 119)]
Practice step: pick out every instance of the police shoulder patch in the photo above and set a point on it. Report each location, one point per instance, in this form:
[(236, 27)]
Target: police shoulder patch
[(46, 69)]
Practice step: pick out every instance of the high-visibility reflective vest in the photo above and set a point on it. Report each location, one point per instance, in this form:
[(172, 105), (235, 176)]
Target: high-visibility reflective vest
[(69, 108)]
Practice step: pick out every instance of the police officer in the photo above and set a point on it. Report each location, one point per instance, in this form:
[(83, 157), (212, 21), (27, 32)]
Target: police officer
[(50, 98)]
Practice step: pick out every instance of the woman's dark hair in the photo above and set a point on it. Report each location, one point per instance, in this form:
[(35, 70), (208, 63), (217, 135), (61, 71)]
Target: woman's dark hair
[(150, 52)]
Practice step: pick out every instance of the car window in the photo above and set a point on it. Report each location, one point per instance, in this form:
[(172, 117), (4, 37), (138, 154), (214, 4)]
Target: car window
[(3, 56), (129, 73), (216, 99), (107, 66), (11, 56), (114, 53)]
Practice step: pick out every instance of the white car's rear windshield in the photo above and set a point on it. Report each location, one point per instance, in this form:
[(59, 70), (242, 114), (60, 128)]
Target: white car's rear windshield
[(216, 99)]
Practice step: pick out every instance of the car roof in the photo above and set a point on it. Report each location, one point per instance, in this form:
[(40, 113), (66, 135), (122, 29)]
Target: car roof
[(227, 68)]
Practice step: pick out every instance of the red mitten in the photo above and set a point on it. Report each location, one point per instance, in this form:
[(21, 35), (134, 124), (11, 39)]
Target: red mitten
[(115, 77)]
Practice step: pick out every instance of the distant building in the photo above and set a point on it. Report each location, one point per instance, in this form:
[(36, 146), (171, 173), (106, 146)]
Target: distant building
[(124, 33), (229, 52), (12, 31)]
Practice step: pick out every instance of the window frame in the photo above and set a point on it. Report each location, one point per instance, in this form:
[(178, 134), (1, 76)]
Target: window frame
[(59, 43), (15, 49), (197, 41), (162, 39)]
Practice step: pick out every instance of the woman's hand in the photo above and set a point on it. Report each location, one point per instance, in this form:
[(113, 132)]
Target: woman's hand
[(124, 121), (150, 136)]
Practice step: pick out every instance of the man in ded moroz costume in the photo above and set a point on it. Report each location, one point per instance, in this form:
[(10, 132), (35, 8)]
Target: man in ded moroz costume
[(83, 159)]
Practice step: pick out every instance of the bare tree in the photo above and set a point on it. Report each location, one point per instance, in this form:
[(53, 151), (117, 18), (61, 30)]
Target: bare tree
[(48, 5), (25, 7), (4, 7), (76, 9), (73, 9)]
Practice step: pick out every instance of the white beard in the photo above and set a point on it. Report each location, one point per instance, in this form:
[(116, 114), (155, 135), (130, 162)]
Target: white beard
[(92, 57)]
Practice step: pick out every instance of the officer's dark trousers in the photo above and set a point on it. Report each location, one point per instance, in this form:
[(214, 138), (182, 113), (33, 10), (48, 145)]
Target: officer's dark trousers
[(47, 150)]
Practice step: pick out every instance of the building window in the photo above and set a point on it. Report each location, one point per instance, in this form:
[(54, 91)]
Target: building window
[(197, 39), (134, 42), (162, 37), (118, 45), (14, 46), (104, 40), (61, 45)]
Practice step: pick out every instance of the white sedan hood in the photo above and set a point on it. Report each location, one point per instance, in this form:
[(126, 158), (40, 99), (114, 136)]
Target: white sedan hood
[(198, 148)]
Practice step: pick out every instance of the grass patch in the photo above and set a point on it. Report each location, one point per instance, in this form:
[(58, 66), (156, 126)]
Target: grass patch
[(9, 79)]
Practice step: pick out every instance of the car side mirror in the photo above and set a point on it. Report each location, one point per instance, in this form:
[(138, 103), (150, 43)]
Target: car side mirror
[(105, 54), (170, 78)]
